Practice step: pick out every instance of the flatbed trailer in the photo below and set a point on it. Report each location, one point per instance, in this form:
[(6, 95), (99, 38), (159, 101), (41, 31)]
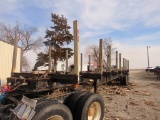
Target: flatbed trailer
[(55, 96), (56, 88)]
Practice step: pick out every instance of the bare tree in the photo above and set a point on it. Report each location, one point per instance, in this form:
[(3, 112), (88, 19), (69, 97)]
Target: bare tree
[(106, 43), (25, 64), (24, 34), (21, 35), (93, 50)]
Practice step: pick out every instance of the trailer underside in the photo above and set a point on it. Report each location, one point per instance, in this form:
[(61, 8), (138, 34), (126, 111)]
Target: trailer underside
[(52, 86)]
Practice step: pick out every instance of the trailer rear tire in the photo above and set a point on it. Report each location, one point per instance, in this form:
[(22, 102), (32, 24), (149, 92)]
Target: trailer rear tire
[(89, 107), (72, 101), (125, 80), (40, 101), (67, 99), (121, 80), (52, 111)]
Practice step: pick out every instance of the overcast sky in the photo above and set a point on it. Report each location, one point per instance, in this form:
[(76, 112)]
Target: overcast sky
[(131, 24)]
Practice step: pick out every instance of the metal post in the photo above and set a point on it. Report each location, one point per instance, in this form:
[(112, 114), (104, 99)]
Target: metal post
[(15, 54), (76, 49), (21, 60), (89, 63), (123, 64), (117, 61), (50, 49), (120, 67), (148, 58), (66, 60), (110, 58), (108, 62), (128, 65), (81, 62), (101, 56)]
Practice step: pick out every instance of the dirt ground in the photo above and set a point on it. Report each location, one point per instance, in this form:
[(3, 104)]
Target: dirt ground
[(139, 101)]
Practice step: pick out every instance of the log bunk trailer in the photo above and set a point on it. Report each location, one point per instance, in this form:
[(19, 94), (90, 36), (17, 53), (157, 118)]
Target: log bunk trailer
[(35, 96)]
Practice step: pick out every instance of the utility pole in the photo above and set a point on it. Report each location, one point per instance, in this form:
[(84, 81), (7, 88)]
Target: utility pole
[(148, 58)]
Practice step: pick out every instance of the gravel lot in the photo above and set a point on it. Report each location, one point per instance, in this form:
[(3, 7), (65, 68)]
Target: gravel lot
[(139, 101)]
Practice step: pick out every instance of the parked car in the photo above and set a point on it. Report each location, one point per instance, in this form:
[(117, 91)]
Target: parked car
[(149, 69)]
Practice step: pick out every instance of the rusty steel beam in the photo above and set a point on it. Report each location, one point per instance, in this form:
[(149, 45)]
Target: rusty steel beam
[(128, 65), (66, 60), (110, 58), (120, 66), (100, 56), (14, 59), (81, 62), (117, 61), (123, 64), (89, 63), (50, 66)]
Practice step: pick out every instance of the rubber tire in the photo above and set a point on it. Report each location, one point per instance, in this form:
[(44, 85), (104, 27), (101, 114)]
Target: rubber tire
[(84, 103), (48, 109), (39, 101), (72, 102), (125, 80), (67, 99), (121, 80)]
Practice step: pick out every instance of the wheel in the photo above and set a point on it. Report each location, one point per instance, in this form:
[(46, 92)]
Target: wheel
[(67, 99), (121, 80), (89, 107), (72, 101), (125, 80), (41, 100), (52, 111)]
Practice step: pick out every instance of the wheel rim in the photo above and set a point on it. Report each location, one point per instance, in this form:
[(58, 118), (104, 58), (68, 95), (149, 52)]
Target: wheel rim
[(94, 112), (55, 117)]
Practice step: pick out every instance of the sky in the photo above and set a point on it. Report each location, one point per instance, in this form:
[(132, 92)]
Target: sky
[(132, 25)]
